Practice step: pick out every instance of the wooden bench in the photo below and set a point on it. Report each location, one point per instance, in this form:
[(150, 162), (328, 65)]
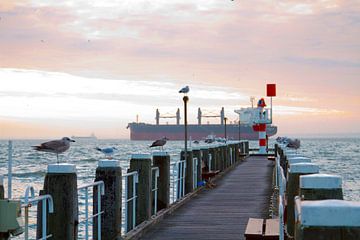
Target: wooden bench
[(209, 174), (271, 229), (260, 229), (254, 229)]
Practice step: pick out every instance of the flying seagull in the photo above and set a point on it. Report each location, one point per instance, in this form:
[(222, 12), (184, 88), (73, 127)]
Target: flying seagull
[(55, 146), (107, 151), (185, 90), (160, 143)]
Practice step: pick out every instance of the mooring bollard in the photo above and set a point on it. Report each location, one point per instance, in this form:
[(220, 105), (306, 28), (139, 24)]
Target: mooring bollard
[(197, 153), (142, 164), (327, 219), (321, 187), (189, 176), (162, 161), (292, 189), (108, 171), (61, 183)]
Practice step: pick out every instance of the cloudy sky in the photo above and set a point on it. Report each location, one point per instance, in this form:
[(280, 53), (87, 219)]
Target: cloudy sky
[(77, 67)]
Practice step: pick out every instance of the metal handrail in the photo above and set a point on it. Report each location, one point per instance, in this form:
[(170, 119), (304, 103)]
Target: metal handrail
[(135, 176), (178, 179), (281, 184), (101, 191), (10, 160), (182, 166), (173, 180), (28, 202), (281, 218), (195, 173), (154, 190)]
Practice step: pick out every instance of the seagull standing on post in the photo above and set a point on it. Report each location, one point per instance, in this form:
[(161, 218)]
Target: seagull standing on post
[(159, 143), (185, 90), (107, 151), (55, 146)]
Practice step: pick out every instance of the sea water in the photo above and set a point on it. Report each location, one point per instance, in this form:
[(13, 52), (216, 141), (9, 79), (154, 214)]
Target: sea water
[(339, 156)]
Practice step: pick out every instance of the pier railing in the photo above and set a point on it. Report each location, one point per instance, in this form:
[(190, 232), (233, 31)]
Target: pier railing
[(178, 179), (181, 182), (85, 221), (130, 200), (47, 206), (314, 202), (154, 189)]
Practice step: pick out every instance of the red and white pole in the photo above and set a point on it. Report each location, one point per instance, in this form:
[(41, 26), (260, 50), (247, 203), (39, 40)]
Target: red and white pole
[(262, 138)]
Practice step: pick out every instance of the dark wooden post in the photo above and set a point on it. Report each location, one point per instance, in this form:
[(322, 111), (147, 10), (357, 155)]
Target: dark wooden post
[(61, 183), (2, 191), (276, 149), (321, 187), (222, 159), (3, 235), (189, 176), (212, 152), (108, 171), (292, 189), (142, 164), (237, 151), (294, 160), (327, 220), (205, 155), (162, 161)]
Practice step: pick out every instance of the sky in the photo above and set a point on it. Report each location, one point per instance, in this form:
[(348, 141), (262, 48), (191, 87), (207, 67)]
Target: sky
[(81, 67)]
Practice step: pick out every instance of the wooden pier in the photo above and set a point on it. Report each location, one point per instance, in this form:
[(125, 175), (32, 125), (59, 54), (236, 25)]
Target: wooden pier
[(222, 212)]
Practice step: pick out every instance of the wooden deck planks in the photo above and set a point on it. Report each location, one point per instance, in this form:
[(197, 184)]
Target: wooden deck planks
[(222, 212)]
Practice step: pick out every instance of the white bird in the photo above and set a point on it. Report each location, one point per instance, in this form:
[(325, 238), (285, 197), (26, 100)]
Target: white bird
[(107, 151), (159, 143), (185, 89), (55, 146)]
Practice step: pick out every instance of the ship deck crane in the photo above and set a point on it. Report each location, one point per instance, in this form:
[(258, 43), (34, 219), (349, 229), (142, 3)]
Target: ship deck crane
[(167, 115)]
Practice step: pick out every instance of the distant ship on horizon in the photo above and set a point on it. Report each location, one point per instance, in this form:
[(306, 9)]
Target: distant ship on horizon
[(244, 130), (91, 137)]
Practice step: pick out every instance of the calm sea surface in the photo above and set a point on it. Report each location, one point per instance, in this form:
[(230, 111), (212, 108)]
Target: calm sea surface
[(334, 156)]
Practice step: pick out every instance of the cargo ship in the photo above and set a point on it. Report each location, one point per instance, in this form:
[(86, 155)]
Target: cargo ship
[(91, 137), (244, 130)]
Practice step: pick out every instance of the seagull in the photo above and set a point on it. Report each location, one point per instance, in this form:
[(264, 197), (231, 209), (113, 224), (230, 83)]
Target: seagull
[(107, 151), (55, 146), (185, 90), (160, 143)]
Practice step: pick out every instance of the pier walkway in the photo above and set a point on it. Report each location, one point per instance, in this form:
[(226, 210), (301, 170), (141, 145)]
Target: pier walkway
[(222, 212)]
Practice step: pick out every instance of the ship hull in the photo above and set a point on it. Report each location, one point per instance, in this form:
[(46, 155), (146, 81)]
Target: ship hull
[(142, 131)]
